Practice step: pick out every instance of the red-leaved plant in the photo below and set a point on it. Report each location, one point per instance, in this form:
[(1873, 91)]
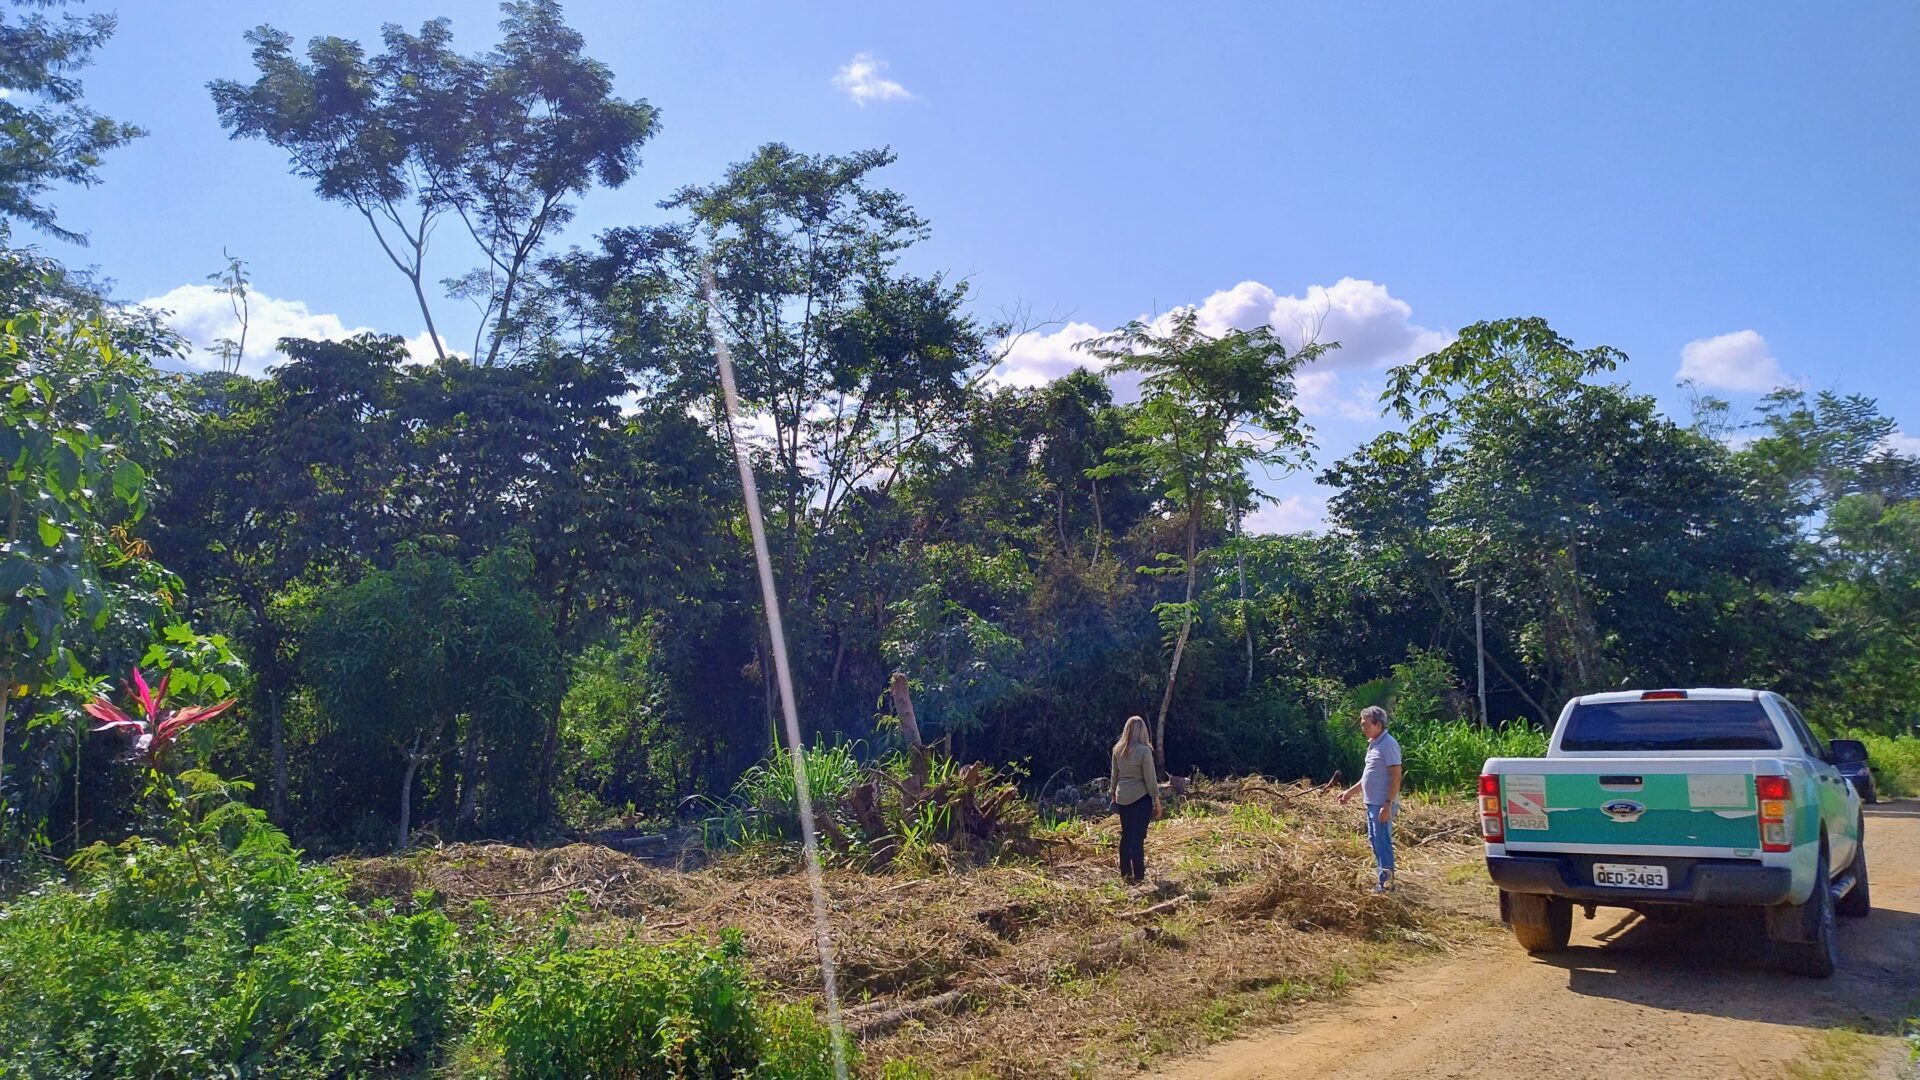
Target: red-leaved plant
[(155, 728)]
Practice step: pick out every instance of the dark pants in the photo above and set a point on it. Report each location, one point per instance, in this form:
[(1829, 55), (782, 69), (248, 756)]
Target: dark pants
[(1134, 817)]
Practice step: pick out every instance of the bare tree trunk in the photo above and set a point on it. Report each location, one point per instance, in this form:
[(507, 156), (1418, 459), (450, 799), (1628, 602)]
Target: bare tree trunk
[(1446, 609), (1099, 525), (839, 660), (1240, 561), (414, 758), (470, 776), (903, 704), (1179, 643), (279, 735)]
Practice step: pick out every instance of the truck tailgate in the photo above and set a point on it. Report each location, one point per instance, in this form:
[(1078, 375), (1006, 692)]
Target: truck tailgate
[(1622, 804)]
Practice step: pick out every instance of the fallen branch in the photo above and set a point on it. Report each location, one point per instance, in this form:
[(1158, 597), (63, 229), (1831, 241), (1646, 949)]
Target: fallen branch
[(1157, 909), (530, 892), (881, 1021)]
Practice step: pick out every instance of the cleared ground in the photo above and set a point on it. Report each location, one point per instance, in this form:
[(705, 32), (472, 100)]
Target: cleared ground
[(1628, 999)]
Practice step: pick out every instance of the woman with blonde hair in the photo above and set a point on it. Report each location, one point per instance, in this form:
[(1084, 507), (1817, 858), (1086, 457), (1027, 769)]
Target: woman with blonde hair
[(1134, 790)]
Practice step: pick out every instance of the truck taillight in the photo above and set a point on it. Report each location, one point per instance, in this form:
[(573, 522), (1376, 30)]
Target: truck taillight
[(1493, 827), (1775, 795)]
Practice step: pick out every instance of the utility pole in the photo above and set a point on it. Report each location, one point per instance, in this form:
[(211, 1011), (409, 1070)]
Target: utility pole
[(1480, 650)]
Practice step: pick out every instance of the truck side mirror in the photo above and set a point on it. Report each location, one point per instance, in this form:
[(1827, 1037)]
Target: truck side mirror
[(1848, 751)]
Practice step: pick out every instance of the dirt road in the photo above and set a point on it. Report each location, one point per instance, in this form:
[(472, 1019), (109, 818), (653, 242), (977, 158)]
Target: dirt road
[(1628, 999)]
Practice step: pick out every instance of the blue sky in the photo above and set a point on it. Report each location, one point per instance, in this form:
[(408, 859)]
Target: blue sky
[(1738, 183)]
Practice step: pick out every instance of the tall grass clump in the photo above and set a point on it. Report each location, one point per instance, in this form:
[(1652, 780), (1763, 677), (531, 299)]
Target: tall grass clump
[(1446, 756), (765, 803), (1895, 761)]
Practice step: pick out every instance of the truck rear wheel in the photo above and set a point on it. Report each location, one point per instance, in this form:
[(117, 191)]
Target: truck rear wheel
[(1858, 902), (1819, 954), (1542, 923)]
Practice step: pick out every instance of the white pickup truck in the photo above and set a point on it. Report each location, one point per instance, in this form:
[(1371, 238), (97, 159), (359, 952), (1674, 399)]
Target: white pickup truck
[(1665, 800)]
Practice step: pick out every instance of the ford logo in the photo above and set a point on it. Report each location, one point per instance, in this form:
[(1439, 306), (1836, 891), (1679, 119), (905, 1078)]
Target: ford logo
[(1623, 809)]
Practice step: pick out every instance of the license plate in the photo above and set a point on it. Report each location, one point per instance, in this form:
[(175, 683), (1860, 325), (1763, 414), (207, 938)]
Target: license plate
[(1630, 875)]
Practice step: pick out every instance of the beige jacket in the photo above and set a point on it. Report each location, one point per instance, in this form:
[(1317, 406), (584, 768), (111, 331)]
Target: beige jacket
[(1132, 777)]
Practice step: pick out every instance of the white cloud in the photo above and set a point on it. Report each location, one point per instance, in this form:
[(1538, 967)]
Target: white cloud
[(1736, 361), (1320, 392), (1293, 514), (863, 82), (1902, 443), (1037, 359), (204, 315), (1374, 327)]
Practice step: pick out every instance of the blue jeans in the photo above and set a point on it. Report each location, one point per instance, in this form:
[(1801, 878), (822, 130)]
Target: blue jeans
[(1380, 838)]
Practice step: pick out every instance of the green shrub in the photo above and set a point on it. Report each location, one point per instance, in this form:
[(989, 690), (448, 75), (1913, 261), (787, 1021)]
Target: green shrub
[(1895, 761), (210, 957), (636, 1011)]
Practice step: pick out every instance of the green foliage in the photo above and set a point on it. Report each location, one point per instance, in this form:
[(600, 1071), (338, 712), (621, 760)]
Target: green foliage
[(618, 742), (1421, 687), (433, 655), (224, 952), (1609, 543), (418, 131), (1894, 759), (765, 805), (1210, 408), (82, 419), (1444, 757), (50, 136), (680, 1010)]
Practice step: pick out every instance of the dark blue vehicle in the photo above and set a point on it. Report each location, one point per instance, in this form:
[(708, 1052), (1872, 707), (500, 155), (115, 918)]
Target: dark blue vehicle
[(1850, 757)]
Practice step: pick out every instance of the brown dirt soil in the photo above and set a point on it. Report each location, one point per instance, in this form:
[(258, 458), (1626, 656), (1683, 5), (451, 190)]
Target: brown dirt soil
[(1627, 999), (1046, 964)]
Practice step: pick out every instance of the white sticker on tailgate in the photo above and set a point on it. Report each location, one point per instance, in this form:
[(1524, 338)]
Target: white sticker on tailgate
[(1714, 790), (1526, 802)]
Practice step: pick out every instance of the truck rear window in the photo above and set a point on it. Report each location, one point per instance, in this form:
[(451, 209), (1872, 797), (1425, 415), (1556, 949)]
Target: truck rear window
[(1670, 725)]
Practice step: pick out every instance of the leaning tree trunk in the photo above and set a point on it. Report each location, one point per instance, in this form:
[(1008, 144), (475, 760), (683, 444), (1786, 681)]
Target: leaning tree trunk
[(903, 705), (1246, 619), (1179, 643), (406, 793)]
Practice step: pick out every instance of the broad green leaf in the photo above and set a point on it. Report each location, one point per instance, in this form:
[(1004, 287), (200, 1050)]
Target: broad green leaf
[(16, 572), (128, 478)]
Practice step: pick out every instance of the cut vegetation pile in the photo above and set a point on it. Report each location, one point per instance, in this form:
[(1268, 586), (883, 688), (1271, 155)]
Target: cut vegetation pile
[(1260, 901)]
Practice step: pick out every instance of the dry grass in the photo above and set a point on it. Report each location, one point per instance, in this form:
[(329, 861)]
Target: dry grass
[(1039, 967)]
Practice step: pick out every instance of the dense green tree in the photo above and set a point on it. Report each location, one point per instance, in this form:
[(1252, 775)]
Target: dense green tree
[(1210, 407), (1610, 542), (50, 136), (84, 417), (846, 359), (432, 658)]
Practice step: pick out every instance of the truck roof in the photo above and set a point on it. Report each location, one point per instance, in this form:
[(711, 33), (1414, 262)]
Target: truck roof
[(1701, 693)]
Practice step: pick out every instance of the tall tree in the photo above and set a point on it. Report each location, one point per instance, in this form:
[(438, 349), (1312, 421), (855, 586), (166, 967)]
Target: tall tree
[(1210, 406), (1612, 540), (847, 360), (49, 136), (418, 131)]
